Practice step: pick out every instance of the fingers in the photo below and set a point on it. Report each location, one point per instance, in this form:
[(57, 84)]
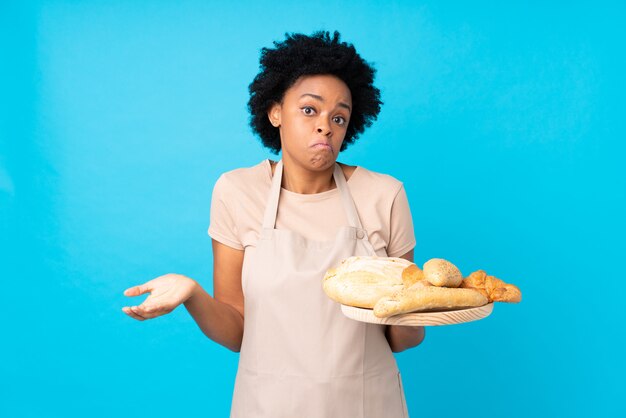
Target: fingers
[(134, 311), (150, 311), (136, 290), (143, 312), (149, 308), (131, 312)]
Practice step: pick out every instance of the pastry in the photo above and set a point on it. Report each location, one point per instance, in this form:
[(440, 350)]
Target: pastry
[(492, 288)]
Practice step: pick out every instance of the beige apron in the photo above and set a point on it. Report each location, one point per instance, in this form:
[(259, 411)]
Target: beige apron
[(300, 356)]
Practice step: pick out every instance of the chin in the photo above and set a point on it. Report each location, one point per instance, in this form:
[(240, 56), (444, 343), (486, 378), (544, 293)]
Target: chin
[(322, 161)]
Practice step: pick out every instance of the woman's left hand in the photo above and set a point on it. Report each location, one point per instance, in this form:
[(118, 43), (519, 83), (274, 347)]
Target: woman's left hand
[(401, 337)]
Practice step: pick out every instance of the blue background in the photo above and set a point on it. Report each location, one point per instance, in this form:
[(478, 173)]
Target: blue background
[(505, 122)]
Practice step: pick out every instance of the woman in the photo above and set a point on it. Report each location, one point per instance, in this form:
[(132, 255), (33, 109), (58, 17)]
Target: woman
[(278, 226)]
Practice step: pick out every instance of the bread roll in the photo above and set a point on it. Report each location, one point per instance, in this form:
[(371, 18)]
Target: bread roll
[(440, 272), (362, 281), (411, 275), (426, 298)]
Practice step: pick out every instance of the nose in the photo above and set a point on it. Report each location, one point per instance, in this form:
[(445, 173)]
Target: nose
[(323, 127)]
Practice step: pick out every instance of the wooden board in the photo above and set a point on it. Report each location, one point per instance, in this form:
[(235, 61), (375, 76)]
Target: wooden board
[(420, 318)]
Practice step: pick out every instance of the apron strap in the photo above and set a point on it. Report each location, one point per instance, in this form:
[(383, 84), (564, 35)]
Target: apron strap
[(346, 198), (271, 208)]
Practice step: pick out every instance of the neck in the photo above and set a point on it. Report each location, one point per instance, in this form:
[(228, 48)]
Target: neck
[(298, 179)]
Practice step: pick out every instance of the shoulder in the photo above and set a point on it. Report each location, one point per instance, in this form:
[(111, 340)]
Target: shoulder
[(243, 185), (245, 177), (364, 177)]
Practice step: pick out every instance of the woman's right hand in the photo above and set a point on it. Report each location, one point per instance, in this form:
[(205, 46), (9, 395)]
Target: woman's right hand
[(166, 293)]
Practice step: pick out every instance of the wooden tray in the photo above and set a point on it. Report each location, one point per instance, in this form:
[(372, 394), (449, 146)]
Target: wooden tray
[(457, 316)]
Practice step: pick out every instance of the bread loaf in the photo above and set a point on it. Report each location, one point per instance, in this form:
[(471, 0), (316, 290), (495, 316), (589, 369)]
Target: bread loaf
[(362, 281)]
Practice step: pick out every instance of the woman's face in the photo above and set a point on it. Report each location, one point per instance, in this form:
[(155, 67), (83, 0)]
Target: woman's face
[(312, 119)]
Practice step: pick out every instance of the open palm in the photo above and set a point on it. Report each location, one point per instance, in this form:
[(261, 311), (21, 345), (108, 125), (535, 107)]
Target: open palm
[(166, 293)]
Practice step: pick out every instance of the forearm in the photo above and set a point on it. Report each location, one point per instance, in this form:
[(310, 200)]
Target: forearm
[(219, 321), (401, 337)]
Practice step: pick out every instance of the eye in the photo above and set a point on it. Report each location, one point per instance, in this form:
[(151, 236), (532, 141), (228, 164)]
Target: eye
[(339, 120), (308, 110)]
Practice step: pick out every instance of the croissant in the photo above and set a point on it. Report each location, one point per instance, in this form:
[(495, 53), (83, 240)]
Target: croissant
[(494, 289)]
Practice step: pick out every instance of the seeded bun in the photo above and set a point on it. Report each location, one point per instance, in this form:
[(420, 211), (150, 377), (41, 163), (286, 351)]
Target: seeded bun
[(440, 272)]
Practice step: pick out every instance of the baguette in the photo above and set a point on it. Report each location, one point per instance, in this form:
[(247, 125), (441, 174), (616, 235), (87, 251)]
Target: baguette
[(422, 297)]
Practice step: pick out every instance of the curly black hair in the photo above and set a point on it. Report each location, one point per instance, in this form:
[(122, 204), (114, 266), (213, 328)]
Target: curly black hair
[(300, 55)]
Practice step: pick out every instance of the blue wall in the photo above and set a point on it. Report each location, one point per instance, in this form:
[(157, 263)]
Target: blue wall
[(506, 124)]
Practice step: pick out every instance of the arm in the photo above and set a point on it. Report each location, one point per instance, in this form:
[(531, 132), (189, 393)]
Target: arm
[(221, 317), (401, 337)]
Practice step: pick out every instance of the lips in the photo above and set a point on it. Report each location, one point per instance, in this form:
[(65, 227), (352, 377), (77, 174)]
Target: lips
[(322, 145)]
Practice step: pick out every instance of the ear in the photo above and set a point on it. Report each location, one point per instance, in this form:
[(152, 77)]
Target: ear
[(274, 114)]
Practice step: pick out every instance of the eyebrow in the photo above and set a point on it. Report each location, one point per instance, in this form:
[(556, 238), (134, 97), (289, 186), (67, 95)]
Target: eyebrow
[(321, 99)]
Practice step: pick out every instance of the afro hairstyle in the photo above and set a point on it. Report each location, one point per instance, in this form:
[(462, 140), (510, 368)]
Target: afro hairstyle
[(299, 55)]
